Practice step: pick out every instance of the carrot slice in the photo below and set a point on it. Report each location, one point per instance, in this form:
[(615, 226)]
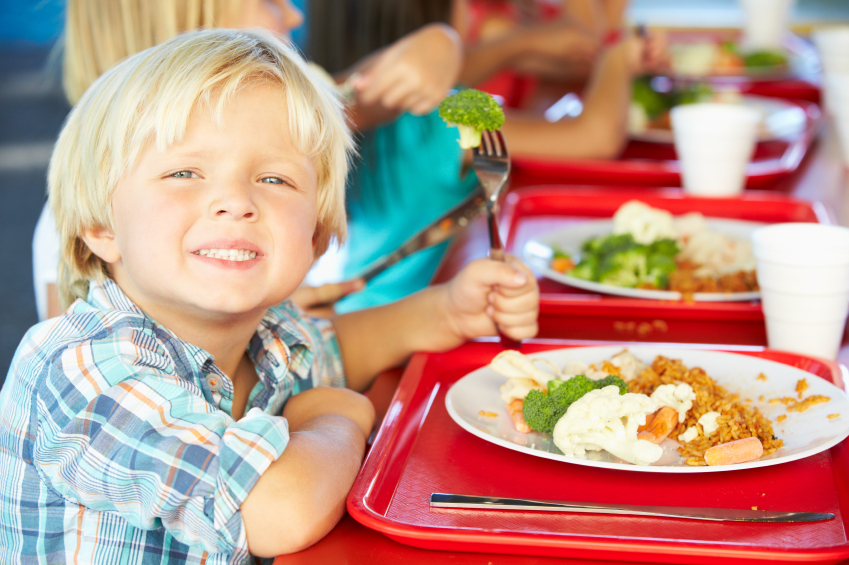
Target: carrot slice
[(661, 425), (515, 411), (738, 451)]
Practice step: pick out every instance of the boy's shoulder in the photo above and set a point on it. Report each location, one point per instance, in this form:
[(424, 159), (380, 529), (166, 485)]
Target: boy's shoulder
[(88, 338)]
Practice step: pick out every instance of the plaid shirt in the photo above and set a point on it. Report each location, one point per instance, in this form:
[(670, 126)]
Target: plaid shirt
[(116, 439)]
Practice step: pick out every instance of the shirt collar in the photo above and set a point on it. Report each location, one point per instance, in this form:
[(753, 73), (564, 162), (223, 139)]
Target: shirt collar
[(271, 348)]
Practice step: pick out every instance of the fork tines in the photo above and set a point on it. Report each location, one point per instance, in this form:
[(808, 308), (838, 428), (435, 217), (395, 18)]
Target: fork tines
[(492, 143)]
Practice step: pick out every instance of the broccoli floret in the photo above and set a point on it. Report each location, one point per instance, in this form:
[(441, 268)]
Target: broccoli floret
[(626, 268), (587, 269), (652, 101), (542, 410), (471, 111), (606, 244), (765, 58), (612, 380), (668, 247)]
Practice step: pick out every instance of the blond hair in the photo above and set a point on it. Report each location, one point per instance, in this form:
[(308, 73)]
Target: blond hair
[(99, 33), (149, 98)]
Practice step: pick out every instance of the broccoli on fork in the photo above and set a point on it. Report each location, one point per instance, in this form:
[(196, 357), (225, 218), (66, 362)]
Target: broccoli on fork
[(471, 111)]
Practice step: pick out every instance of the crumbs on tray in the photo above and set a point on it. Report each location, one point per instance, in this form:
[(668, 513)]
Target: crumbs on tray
[(487, 414), (833, 416)]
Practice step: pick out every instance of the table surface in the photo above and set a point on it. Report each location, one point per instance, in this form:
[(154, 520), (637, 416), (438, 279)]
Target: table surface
[(821, 177)]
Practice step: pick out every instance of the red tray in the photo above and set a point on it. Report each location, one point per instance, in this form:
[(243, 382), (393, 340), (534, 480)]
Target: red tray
[(420, 450), (572, 313), (655, 164)]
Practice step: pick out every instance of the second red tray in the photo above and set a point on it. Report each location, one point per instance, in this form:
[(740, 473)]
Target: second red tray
[(655, 164), (571, 313)]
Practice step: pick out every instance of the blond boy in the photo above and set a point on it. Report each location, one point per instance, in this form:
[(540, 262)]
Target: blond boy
[(174, 414)]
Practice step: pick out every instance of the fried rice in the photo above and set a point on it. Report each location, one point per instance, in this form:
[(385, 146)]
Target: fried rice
[(736, 421)]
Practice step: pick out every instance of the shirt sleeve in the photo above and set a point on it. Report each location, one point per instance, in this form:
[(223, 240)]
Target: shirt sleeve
[(151, 449)]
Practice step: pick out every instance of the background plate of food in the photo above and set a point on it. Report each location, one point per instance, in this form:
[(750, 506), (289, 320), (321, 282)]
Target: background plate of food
[(792, 413), (654, 97), (645, 252)]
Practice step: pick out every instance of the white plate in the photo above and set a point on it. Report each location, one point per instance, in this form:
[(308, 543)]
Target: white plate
[(781, 120), (537, 254), (804, 434)]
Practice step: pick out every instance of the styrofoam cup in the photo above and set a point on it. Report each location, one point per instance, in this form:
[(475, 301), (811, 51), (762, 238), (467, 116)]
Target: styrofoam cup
[(831, 40), (765, 22), (714, 143), (788, 277), (807, 308), (802, 243), (803, 274), (821, 339)]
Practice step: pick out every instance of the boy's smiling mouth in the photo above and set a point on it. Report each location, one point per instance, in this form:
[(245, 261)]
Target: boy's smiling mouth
[(227, 254)]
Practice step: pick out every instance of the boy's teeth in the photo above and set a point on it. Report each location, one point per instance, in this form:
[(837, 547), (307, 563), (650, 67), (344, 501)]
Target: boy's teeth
[(228, 254)]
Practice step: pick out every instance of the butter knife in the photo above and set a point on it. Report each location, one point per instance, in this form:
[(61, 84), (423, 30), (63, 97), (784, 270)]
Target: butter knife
[(447, 226), (442, 500)]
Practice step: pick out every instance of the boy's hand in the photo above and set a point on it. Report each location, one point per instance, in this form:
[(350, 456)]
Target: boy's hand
[(328, 401), (490, 296)]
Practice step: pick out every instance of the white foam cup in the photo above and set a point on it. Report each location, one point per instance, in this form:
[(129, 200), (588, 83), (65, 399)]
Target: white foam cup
[(821, 339), (803, 274), (802, 243), (792, 278), (832, 42), (808, 308), (714, 143), (765, 22)]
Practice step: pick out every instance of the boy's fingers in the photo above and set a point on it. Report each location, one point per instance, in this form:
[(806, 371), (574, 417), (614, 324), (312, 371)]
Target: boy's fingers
[(498, 273), (520, 332)]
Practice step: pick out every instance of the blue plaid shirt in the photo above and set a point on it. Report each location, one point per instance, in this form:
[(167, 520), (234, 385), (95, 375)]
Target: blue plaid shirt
[(116, 440)]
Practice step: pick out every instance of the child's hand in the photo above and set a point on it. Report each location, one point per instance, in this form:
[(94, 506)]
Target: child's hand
[(490, 296), (648, 53), (328, 401), (318, 301), (414, 73)]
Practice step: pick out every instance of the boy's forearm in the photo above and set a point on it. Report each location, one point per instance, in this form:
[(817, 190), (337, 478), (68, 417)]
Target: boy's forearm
[(377, 339), (301, 496)]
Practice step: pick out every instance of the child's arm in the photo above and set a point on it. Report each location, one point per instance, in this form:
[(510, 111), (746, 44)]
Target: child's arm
[(483, 298), (411, 75), (600, 130), (301, 496), (553, 48)]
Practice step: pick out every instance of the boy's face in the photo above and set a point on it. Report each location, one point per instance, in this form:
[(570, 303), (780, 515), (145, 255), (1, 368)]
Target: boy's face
[(221, 223)]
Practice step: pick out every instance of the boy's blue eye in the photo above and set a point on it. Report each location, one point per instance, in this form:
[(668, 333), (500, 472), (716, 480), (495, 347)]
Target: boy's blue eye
[(183, 175), (272, 180)]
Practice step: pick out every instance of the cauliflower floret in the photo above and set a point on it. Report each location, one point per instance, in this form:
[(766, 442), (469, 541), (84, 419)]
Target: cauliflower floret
[(680, 397), (708, 422), (573, 367), (605, 419), (689, 435), (645, 224), (517, 387), (628, 365)]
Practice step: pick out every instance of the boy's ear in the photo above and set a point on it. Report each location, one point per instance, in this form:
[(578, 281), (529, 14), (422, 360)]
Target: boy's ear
[(101, 241)]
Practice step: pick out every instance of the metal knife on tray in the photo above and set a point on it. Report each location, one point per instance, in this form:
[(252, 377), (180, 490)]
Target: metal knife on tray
[(443, 500)]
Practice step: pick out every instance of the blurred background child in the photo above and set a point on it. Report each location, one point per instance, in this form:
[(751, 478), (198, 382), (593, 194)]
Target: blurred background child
[(410, 170)]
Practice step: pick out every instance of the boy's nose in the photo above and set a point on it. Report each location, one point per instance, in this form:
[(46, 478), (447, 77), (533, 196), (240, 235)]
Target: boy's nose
[(234, 203)]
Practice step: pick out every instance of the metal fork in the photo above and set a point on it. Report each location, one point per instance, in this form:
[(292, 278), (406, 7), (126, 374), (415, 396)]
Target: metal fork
[(491, 162)]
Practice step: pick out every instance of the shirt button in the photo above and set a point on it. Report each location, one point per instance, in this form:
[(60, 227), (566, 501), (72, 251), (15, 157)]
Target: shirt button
[(214, 383)]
